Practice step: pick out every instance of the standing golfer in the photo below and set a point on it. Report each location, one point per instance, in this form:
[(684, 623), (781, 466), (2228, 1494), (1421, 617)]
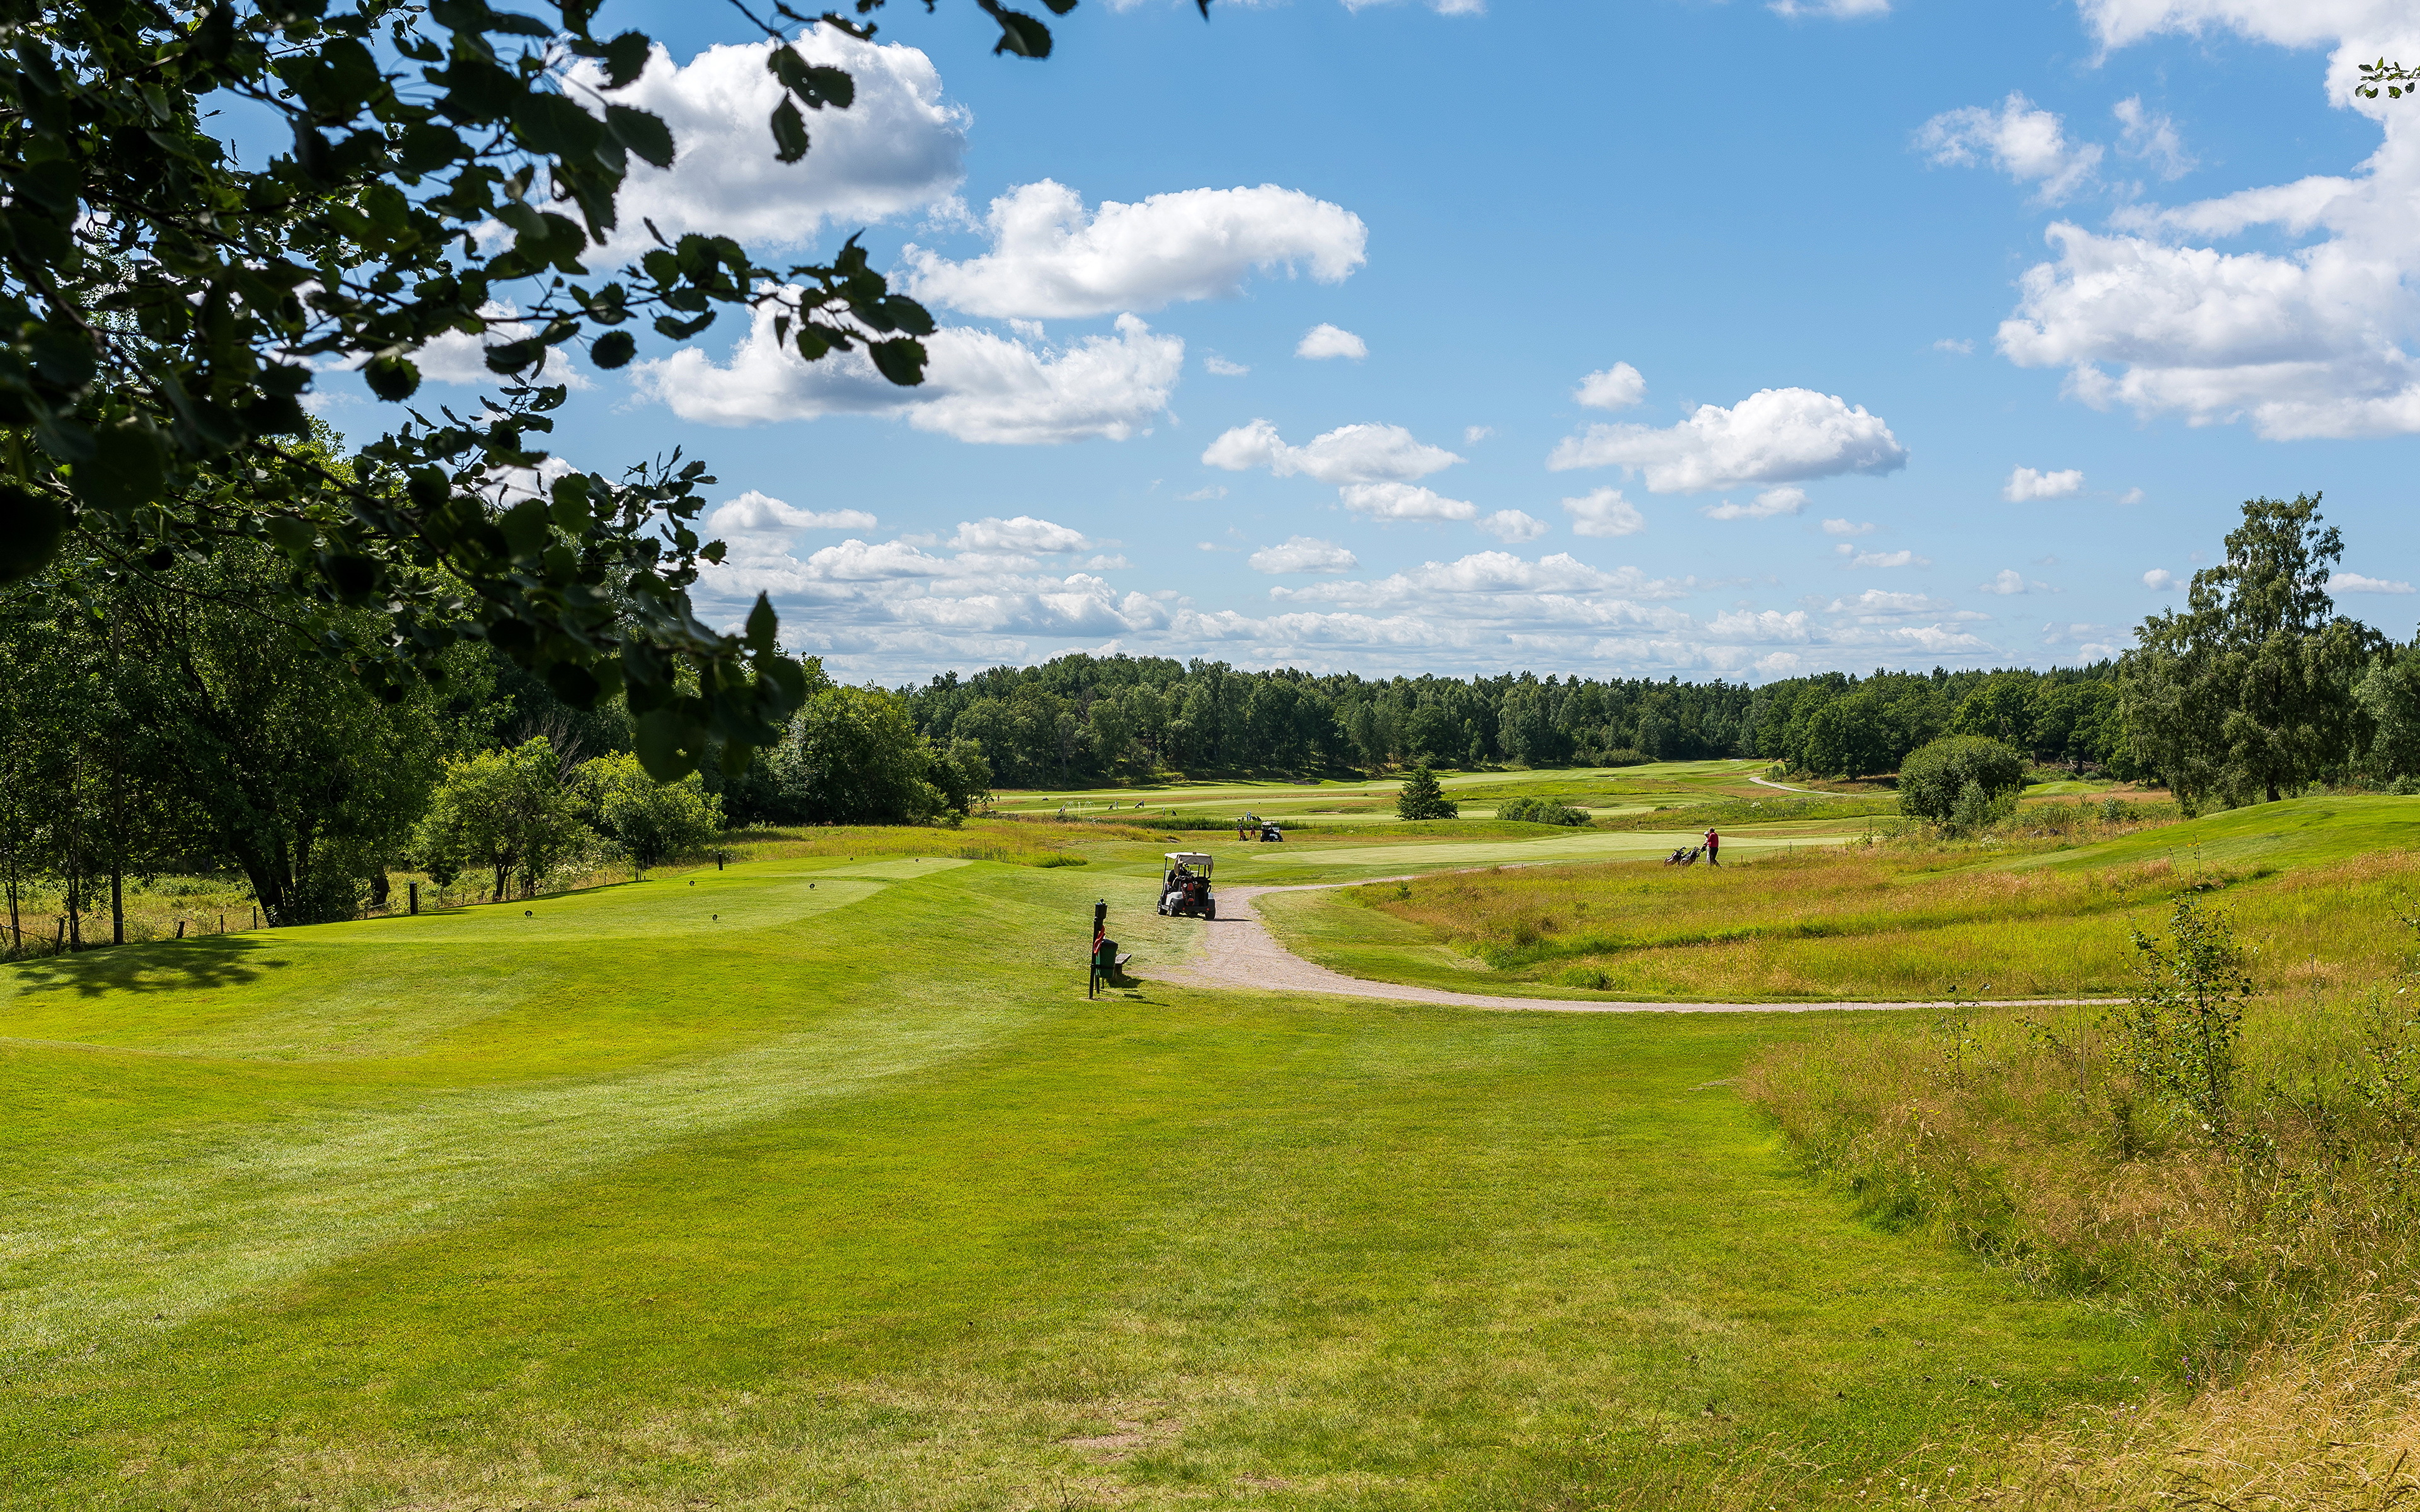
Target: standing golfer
[(1714, 845)]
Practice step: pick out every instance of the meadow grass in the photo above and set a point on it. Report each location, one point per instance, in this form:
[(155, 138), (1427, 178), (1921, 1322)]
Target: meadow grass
[(818, 1181), (1904, 920)]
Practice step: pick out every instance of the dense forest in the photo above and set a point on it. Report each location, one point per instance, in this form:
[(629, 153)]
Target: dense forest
[(1084, 718)]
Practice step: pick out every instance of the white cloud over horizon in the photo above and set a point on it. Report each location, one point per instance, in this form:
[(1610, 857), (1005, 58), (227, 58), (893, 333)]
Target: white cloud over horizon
[(1050, 257), (978, 386), (1604, 513), (2027, 483), (1771, 436), (899, 147), (1324, 342), (1303, 553)]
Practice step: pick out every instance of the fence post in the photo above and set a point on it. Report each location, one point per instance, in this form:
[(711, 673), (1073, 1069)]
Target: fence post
[(415, 897)]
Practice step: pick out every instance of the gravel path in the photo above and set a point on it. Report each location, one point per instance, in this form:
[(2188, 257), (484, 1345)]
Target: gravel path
[(1237, 951), (1781, 787)]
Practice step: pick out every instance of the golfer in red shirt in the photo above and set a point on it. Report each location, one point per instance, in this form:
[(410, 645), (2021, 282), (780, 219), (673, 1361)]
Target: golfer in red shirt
[(1714, 845)]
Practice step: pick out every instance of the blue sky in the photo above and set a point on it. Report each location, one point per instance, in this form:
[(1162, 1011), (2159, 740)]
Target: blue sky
[(1839, 271)]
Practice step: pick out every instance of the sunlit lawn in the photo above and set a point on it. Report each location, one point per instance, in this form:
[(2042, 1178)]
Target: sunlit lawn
[(848, 1197)]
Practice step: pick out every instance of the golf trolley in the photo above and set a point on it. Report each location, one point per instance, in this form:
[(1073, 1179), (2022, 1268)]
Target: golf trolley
[(1185, 884)]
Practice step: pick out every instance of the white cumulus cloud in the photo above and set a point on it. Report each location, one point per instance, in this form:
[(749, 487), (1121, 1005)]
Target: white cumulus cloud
[(754, 511), (1303, 553), (1324, 341), (2006, 581), (2353, 582), (1404, 501), (1220, 367), (1513, 526), (1887, 558), (2026, 484), (1618, 387), (1846, 527), (2160, 579), (1766, 505), (899, 147), (1349, 454), (978, 386), (2028, 145), (1052, 257), (1604, 512), (1772, 436), (2296, 341)]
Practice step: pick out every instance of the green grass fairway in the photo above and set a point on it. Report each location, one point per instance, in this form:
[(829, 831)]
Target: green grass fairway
[(1608, 790), (849, 1198), (2296, 832)]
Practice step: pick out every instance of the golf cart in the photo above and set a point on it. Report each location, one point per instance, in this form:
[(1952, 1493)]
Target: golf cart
[(1185, 885), (1269, 830)]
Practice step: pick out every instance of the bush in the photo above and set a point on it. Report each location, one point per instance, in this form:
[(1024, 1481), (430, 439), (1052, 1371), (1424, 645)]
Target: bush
[(1541, 812), (1421, 798), (651, 821), (1934, 780)]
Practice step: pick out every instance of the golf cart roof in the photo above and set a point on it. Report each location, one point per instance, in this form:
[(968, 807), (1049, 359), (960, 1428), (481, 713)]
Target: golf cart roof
[(1201, 861)]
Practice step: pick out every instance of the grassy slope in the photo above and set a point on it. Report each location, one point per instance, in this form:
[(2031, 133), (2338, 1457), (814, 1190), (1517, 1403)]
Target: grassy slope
[(849, 1198), (2309, 879)]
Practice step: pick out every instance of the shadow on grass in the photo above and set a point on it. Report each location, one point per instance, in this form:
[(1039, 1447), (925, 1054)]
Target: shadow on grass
[(157, 965)]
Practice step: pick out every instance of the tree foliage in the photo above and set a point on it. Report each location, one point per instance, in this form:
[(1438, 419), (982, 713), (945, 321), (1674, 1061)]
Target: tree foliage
[(167, 308), (2181, 1032), (1935, 781), (652, 822), (1421, 798), (508, 813), (2247, 693)]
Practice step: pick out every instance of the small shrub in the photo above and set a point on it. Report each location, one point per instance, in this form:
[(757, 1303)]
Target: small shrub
[(1593, 978), (1059, 859), (1541, 811), (1934, 780)]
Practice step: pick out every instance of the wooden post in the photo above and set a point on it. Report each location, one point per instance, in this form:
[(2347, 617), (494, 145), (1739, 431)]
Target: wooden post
[(415, 897), (180, 928)]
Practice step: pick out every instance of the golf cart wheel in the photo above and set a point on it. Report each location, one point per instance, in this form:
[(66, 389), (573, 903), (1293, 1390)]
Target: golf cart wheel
[(1209, 910)]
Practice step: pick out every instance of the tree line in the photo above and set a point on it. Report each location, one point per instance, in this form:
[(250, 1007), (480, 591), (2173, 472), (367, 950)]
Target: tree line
[(193, 719)]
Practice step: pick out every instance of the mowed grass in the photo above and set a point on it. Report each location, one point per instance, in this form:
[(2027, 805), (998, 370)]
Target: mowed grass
[(848, 1197), (2307, 882)]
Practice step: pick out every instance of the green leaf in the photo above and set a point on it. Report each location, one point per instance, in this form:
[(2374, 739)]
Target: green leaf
[(763, 624), (625, 58), (613, 349), (527, 528), (515, 356), (295, 535), (129, 469), (682, 330), (642, 132), (789, 131), (1020, 33), (663, 741), (392, 378), (901, 359), (550, 124), (32, 526)]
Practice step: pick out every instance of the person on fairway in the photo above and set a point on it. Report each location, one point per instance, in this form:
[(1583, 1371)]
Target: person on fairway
[(1713, 843)]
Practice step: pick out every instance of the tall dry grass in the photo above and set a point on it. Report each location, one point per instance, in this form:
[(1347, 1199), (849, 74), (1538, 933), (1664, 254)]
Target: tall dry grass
[(2276, 1257), (1887, 921)]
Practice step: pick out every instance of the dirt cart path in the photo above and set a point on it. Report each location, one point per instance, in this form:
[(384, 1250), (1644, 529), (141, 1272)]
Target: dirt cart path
[(1237, 951)]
